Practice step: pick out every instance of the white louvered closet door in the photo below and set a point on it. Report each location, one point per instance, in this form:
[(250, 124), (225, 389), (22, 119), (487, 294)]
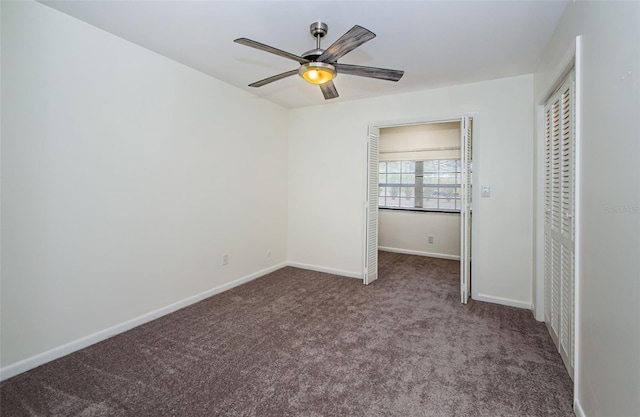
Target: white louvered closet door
[(465, 212), (559, 223), (371, 208)]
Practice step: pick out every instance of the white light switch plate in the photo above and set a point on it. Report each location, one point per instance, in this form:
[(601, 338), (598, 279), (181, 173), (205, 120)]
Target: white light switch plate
[(485, 191)]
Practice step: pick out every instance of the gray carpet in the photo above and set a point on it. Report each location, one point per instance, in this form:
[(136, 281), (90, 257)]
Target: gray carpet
[(302, 343)]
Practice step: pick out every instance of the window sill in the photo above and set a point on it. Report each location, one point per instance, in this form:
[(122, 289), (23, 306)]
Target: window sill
[(418, 210)]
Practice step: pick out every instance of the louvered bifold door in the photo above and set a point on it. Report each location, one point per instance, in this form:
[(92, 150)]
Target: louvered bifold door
[(548, 242), (371, 209), (559, 201), (555, 218), (465, 212), (567, 223)]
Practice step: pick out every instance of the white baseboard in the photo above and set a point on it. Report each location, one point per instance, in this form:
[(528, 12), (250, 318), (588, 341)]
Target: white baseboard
[(333, 271), (419, 253), (503, 301), (60, 351), (577, 408)]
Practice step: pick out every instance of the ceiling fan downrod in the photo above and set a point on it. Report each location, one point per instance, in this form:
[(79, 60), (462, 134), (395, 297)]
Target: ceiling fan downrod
[(318, 30)]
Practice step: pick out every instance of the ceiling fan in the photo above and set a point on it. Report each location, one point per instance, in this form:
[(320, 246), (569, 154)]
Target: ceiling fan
[(319, 66)]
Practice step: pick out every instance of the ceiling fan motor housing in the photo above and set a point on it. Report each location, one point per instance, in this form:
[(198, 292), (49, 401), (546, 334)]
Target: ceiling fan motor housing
[(313, 54)]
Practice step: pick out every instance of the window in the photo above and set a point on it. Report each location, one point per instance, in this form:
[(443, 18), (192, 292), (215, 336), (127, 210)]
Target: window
[(430, 185), (397, 184), (441, 181)]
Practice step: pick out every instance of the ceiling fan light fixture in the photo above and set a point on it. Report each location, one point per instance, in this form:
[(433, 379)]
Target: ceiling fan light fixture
[(317, 72)]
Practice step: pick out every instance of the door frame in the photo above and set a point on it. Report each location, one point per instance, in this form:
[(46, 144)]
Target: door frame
[(431, 119)]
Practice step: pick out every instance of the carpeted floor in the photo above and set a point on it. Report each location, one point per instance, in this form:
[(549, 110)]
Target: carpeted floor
[(302, 343)]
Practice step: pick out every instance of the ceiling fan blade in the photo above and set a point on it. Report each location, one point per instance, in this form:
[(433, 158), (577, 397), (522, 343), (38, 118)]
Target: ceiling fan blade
[(271, 49), (371, 72), (355, 37), (329, 90), (274, 78)]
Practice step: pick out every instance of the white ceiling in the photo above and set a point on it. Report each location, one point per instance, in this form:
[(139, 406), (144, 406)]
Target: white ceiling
[(436, 43)]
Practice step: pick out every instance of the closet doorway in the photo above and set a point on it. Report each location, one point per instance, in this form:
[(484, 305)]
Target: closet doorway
[(418, 193)]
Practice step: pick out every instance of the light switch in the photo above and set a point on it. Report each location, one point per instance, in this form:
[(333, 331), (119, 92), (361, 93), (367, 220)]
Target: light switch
[(485, 191)]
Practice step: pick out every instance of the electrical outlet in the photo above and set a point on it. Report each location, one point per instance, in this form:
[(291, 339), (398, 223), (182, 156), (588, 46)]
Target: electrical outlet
[(430, 239), (225, 259), (268, 254)]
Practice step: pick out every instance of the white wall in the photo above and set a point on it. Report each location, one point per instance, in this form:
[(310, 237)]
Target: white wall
[(407, 232), (327, 171), (608, 240), (125, 177)]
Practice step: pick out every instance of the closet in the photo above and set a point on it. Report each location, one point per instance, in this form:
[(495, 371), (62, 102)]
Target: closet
[(559, 219)]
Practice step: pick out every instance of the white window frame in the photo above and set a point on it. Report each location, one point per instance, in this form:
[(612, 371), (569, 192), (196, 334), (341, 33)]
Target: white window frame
[(419, 185)]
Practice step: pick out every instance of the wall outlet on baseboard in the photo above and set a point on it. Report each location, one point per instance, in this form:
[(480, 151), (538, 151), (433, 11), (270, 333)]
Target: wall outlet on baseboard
[(430, 239), (225, 259)]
